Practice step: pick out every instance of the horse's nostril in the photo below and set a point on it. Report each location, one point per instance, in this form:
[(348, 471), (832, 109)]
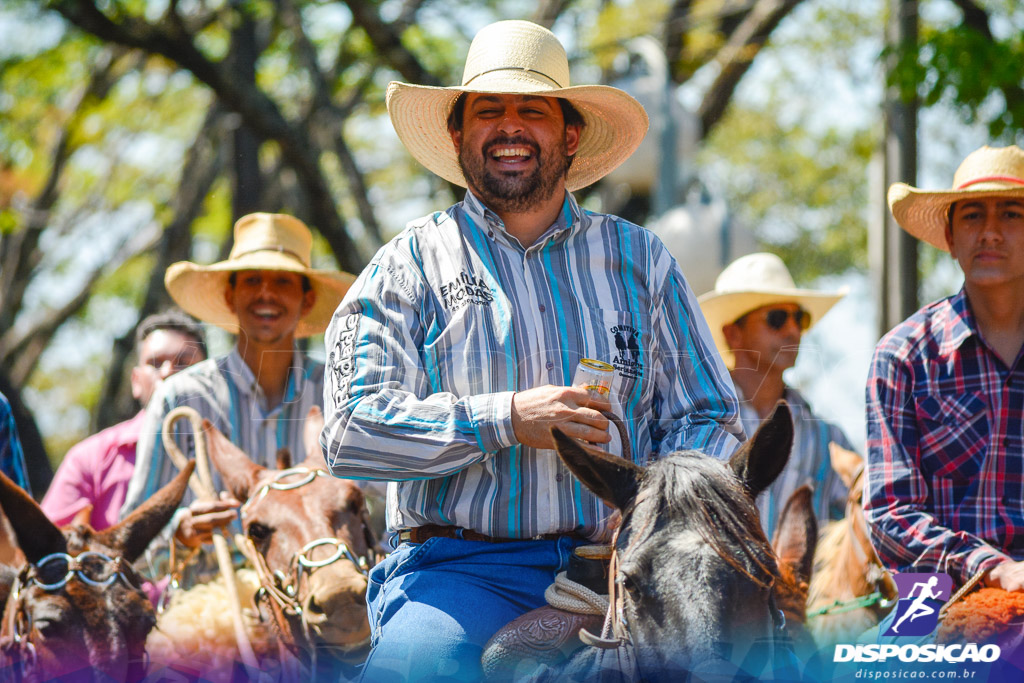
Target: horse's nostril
[(313, 607)]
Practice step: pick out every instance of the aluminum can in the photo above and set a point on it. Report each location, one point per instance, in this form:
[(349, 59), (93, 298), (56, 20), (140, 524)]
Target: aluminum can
[(596, 376)]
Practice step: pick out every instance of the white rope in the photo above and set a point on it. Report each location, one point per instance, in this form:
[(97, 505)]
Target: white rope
[(565, 594)]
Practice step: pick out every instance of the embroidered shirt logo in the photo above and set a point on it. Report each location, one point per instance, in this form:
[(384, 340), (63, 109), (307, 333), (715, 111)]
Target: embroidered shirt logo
[(340, 359), (466, 289), (628, 358)]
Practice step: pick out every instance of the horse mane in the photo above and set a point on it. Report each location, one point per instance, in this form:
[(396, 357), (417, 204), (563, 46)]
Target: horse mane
[(691, 486), (830, 575)]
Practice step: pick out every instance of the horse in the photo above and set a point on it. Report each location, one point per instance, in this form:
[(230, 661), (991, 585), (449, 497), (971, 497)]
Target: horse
[(693, 579), (77, 607), (309, 536), (850, 591)]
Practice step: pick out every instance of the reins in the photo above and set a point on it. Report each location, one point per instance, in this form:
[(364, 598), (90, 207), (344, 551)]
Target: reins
[(201, 483)]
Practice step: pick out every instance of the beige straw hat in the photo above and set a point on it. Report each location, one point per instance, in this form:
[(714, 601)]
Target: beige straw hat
[(986, 172), (518, 57), (753, 281), (263, 241)]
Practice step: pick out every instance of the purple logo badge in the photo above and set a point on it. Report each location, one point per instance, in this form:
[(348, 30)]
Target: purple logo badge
[(921, 597)]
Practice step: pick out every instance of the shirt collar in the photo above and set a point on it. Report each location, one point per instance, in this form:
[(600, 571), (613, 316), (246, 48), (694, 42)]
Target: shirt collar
[(245, 380), (959, 325), (569, 218)]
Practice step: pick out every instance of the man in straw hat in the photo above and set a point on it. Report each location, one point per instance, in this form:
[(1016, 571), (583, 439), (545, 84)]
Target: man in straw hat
[(258, 395), (945, 393), (757, 317), (450, 359)]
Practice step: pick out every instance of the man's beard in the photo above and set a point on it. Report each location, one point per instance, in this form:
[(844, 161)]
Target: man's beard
[(514, 192)]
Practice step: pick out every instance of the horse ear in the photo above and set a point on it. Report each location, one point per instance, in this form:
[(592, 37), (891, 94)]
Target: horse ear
[(797, 533), (37, 536), (83, 517), (237, 471), (761, 459), (132, 534), (612, 479), (846, 463), (311, 433)]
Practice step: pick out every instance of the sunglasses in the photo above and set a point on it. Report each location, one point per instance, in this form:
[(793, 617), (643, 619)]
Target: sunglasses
[(776, 318)]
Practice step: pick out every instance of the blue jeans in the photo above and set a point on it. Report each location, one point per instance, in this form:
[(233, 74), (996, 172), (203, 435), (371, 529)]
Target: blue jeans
[(434, 605)]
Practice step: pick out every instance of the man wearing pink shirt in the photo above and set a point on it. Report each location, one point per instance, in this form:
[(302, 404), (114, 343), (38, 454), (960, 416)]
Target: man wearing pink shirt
[(97, 470)]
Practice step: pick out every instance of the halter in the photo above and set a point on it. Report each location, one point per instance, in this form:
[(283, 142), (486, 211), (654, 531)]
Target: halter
[(90, 567), (281, 592)]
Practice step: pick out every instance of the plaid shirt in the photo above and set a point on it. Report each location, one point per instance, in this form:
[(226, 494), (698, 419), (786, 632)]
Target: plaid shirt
[(454, 315), (945, 477)]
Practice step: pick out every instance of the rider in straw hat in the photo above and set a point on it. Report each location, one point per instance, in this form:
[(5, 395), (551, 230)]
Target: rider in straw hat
[(944, 401), (453, 354), (267, 293), (757, 317)]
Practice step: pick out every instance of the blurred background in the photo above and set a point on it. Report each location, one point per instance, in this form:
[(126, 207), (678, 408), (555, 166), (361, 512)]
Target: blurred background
[(133, 132)]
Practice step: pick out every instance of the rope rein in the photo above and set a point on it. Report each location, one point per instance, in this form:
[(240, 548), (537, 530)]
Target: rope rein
[(201, 483)]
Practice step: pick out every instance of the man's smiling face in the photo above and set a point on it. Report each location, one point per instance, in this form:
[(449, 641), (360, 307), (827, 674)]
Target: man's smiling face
[(269, 304), (514, 149)]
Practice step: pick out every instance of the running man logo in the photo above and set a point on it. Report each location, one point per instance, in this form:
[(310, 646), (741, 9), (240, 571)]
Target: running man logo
[(921, 597)]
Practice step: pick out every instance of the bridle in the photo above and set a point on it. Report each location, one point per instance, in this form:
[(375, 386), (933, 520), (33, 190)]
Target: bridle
[(615, 635), (281, 592), (90, 567)]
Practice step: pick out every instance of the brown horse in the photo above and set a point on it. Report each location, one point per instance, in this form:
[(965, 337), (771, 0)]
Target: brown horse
[(311, 543), (77, 607), (850, 591)]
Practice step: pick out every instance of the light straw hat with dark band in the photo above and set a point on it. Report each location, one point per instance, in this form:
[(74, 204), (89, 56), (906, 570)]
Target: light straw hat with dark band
[(753, 281), (519, 58), (986, 172), (263, 241)]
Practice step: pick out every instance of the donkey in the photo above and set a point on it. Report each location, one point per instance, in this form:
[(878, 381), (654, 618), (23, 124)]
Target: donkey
[(313, 546), (693, 578), (77, 606)]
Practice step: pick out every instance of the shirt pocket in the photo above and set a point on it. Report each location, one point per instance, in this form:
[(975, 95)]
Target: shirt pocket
[(954, 435), (622, 339)]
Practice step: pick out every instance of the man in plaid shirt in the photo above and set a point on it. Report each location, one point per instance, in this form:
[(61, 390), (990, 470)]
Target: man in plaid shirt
[(945, 394)]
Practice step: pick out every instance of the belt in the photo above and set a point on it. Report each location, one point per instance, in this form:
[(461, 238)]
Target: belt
[(418, 534)]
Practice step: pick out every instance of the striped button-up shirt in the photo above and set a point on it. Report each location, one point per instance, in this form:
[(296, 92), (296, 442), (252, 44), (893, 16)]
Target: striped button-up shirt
[(225, 391), (453, 316), (945, 477), (809, 463)]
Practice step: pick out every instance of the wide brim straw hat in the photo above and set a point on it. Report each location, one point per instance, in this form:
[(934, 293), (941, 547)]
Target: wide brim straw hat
[(263, 241), (986, 172), (519, 58), (753, 281)]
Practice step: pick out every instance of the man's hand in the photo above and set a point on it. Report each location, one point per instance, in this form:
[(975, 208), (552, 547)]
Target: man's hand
[(201, 518), (1009, 576), (571, 409)]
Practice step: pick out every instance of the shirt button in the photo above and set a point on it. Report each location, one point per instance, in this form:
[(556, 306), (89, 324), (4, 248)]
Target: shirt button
[(490, 233), (550, 366), (542, 308), (558, 477)]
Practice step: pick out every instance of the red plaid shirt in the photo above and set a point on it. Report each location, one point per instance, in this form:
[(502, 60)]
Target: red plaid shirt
[(945, 475)]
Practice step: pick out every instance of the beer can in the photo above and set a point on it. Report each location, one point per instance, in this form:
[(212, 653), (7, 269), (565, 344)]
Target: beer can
[(596, 376)]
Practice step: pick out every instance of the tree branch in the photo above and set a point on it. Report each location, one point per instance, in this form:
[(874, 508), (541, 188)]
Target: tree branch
[(737, 56)]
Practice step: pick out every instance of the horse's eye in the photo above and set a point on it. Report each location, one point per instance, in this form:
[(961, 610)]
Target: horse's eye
[(259, 533), (629, 583)]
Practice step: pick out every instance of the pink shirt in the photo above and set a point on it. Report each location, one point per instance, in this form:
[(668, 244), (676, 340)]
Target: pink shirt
[(97, 471)]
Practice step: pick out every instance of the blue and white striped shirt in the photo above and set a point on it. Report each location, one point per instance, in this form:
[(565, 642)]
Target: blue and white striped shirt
[(453, 316), (224, 390)]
